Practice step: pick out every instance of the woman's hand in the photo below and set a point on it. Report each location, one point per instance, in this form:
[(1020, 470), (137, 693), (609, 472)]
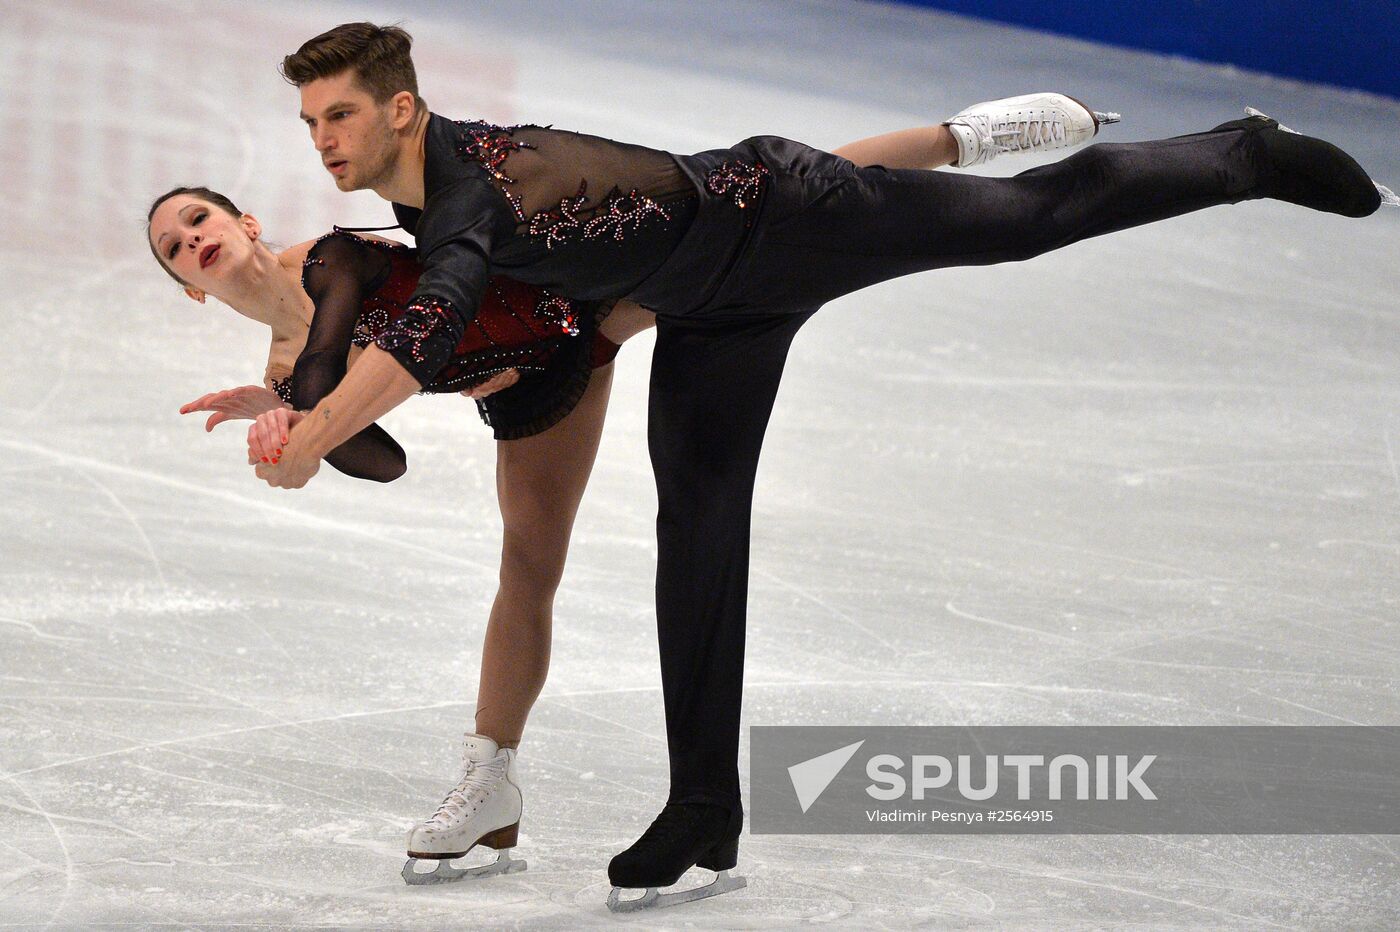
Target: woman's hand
[(494, 384), (243, 403), (269, 434)]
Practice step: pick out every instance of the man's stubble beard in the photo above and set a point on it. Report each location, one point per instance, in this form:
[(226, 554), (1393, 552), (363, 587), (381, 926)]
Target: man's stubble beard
[(381, 170)]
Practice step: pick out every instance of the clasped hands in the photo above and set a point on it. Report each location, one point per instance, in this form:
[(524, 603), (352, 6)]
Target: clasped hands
[(270, 452)]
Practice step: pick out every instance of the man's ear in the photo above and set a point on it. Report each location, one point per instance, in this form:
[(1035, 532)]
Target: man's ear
[(404, 106), (195, 294), (251, 226)]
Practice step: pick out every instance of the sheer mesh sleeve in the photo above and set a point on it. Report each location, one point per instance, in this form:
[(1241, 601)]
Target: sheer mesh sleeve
[(455, 233), (335, 275)]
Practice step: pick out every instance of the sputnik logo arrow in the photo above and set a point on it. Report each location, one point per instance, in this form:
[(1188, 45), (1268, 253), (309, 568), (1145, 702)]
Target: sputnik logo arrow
[(811, 777)]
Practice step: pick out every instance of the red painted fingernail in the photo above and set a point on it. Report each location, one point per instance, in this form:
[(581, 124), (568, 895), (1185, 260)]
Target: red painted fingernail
[(264, 459), (274, 460), (279, 451)]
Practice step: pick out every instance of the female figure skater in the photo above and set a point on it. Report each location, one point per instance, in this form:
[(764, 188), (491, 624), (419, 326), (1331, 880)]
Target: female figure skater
[(731, 249), (540, 369)]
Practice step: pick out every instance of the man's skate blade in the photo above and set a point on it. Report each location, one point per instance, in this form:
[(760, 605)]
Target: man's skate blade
[(446, 873), (723, 883), (1107, 116)]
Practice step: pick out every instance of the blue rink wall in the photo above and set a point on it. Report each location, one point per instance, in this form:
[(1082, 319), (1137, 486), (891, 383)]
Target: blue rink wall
[(1350, 43)]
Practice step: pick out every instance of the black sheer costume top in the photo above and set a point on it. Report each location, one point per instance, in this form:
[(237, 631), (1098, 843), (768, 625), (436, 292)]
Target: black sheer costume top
[(572, 213), (362, 287)]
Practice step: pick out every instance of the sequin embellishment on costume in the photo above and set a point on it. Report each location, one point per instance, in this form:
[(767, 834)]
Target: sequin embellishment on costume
[(373, 321), (283, 388), (558, 310), (422, 320), (490, 145), (558, 224), (739, 180), (621, 209)]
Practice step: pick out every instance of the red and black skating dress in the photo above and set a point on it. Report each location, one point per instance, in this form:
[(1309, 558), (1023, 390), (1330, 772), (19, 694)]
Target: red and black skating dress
[(361, 287)]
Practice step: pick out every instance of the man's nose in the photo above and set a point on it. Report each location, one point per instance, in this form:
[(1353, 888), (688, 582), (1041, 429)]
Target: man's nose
[(323, 140)]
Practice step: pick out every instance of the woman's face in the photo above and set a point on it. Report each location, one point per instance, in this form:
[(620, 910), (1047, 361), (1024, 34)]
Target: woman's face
[(202, 243)]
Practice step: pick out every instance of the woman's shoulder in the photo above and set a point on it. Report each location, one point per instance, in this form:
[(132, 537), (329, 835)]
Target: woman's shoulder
[(341, 253)]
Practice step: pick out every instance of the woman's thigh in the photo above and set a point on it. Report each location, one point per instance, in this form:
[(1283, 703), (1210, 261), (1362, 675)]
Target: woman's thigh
[(540, 481)]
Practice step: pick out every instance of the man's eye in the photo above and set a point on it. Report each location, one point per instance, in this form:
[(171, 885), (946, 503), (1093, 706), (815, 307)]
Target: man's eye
[(339, 114)]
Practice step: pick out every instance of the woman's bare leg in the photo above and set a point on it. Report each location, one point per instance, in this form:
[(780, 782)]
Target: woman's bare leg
[(539, 483)]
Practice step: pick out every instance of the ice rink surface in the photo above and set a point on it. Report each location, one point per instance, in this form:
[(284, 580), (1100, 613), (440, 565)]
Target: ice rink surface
[(1153, 478)]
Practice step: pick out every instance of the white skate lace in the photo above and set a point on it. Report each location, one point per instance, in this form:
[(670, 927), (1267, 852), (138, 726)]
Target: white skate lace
[(477, 777), (1013, 135)]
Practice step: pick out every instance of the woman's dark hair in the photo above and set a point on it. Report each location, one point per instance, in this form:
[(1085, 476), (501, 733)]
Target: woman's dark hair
[(201, 192)]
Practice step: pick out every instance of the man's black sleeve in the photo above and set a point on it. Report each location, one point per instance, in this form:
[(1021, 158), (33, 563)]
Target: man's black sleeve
[(461, 222)]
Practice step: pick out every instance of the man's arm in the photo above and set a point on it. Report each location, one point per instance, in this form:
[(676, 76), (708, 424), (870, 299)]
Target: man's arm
[(376, 385), (460, 224)]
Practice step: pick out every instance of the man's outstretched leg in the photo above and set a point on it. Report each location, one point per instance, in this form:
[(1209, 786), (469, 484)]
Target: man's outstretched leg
[(829, 228)]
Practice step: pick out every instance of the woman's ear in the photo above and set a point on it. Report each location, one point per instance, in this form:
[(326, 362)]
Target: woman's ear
[(251, 226), (195, 294)]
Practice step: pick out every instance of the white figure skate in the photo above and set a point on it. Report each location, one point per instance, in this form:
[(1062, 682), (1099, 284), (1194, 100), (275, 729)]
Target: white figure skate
[(1030, 123), (482, 809), (1388, 196)]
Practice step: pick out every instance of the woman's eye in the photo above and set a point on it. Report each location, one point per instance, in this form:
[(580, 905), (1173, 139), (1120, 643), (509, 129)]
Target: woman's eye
[(173, 247), (198, 217)]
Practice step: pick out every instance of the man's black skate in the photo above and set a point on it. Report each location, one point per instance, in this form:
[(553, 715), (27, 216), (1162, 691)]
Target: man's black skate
[(684, 835), (1305, 171)]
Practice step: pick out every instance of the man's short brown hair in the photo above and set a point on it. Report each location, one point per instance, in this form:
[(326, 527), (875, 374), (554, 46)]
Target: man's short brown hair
[(378, 55)]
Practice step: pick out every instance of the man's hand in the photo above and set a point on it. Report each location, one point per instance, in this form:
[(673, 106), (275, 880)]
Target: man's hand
[(291, 471), (280, 463), (494, 384)]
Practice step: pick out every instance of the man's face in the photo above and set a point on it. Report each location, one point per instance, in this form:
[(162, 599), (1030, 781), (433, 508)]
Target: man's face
[(354, 135)]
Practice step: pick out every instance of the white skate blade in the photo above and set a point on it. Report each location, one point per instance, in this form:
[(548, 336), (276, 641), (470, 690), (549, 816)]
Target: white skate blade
[(1388, 197), (1250, 111), (446, 873), (1107, 116), (651, 899)]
